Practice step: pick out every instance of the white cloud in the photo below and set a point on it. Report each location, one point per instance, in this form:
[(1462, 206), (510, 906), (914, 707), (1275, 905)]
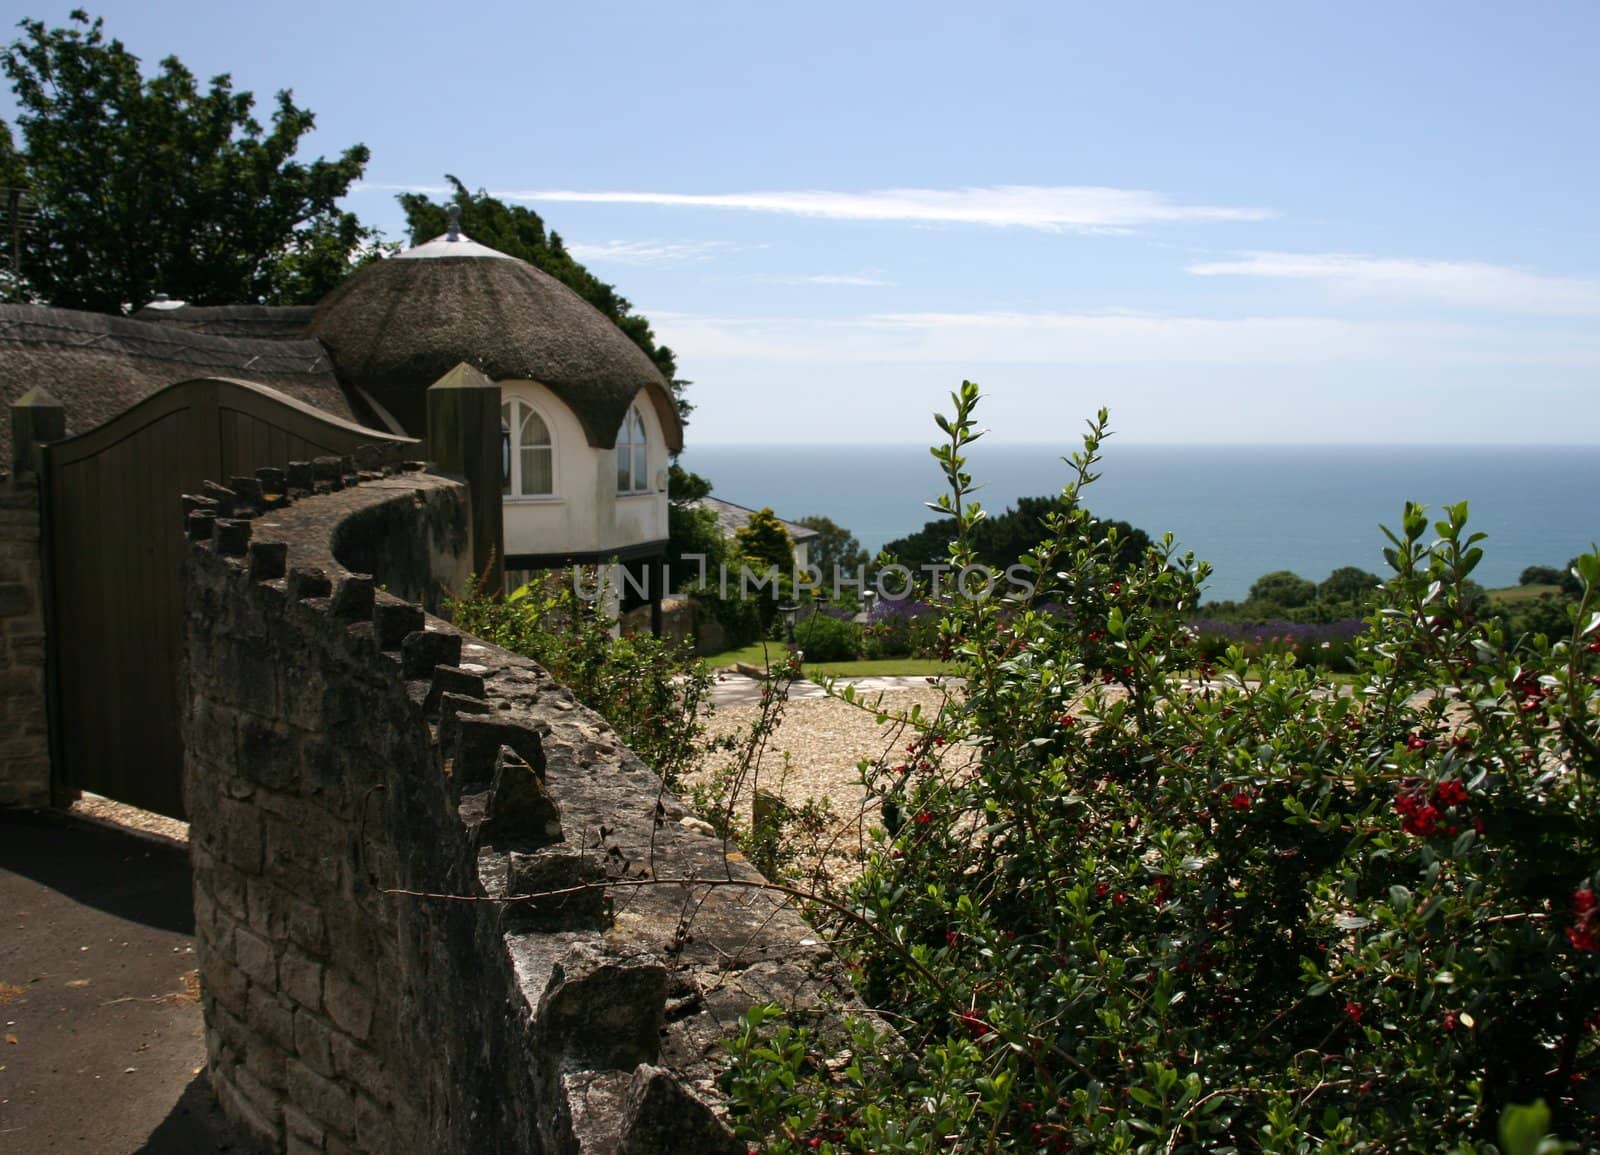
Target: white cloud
[(866, 279), (1465, 284), (1054, 208), (1108, 338), (646, 252)]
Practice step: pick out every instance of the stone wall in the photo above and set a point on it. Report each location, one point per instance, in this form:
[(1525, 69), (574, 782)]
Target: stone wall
[(344, 746), (24, 733)]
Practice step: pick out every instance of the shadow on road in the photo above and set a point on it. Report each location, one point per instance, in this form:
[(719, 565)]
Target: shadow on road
[(138, 878)]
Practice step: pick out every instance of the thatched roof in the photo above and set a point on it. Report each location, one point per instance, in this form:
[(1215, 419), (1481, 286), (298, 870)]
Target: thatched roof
[(273, 322), (396, 326), (97, 365)]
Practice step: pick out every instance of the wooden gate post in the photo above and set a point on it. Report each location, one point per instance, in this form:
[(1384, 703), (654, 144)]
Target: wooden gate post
[(36, 417), (464, 440)]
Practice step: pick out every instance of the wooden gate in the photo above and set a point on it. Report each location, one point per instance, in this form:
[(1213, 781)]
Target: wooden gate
[(115, 547)]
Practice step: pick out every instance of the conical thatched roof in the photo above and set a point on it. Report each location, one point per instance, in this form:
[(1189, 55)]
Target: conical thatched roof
[(397, 326), (99, 365)]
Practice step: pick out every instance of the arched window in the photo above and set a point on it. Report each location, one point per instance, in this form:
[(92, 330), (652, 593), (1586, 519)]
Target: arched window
[(632, 455), (529, 461)]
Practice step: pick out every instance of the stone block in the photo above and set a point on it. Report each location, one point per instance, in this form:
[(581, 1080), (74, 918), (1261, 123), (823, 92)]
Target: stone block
[(660, 1115), (473, 746), (297, 1125), (349, 1004), (235, 835), (423, 651), (547, 871), (226, 983), (294, 1144), (319, 1097), (603, 1013), (306, 925), (519, 804), (266, 1062), (393, 619), (268, 560), (266, 752), (313, 1042), (361, 1067), (260, 1117), (374, 1126), (300, 977), (271, 1018), (17, 599)]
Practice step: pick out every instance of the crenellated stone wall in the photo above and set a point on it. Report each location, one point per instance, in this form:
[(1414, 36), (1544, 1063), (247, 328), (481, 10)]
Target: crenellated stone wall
[(369, 791), (24, 732)]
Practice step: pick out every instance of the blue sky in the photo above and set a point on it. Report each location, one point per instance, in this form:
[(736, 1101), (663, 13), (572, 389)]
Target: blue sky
[(1226, 222)]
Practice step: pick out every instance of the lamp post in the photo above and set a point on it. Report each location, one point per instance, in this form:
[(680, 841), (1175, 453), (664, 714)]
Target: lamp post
[(789, 610)]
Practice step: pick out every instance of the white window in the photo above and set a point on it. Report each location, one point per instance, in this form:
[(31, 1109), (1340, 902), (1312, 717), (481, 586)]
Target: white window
[(632, 455), (528, 458)]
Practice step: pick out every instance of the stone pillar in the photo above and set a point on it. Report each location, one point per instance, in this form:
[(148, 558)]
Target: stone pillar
[(464, 441), (24, 720)]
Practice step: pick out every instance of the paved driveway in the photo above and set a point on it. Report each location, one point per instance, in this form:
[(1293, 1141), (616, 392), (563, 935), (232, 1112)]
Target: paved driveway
[(101, 1047)]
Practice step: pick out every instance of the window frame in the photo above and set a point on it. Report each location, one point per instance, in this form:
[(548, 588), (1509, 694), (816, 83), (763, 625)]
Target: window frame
[(638, 469), (514, 413)]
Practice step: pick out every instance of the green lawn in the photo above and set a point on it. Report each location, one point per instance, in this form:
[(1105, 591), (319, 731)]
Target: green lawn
[(761, 654), (1522, 593)]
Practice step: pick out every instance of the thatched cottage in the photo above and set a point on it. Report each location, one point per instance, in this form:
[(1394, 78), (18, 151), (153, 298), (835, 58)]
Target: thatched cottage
[(588, 423)]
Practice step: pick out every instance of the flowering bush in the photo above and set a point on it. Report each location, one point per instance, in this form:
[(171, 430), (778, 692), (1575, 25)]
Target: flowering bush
[(1327, 645), (1270, 915), (901, 628)]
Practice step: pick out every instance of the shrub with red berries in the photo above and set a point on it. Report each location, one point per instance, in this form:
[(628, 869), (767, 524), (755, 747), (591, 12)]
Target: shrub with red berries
[(1272, 914)]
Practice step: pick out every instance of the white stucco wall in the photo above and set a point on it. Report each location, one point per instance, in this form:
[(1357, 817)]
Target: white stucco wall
[(586, 514)]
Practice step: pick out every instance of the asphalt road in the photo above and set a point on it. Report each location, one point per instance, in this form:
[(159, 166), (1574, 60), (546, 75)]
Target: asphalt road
[(101, 1044)]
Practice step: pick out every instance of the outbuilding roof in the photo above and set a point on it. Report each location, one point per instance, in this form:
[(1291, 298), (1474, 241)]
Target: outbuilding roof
[(268, 321), (99, 365), (732, 518)]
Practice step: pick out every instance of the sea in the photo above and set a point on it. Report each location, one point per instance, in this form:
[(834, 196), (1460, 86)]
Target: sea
[(1247, 509)]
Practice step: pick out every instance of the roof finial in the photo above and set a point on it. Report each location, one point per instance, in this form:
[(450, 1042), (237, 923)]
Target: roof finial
[(454, 232)]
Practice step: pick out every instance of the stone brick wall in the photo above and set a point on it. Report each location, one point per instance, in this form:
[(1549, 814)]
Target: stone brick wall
[(344, 746), (24, 735)]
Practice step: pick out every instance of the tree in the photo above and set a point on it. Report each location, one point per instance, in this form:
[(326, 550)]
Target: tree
[(835, 550), (1348, 583), (1000, 541), (1283, 589), (147, 186), (1540, 575), (520, 232), (764, 542)]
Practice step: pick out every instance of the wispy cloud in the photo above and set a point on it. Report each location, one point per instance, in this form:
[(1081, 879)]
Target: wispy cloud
[(1462, 284), (647, 252), (1054, 208), (1107, 338), (871, 278)]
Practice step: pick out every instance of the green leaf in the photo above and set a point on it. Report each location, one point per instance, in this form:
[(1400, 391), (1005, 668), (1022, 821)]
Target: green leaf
[(1522, 1127)]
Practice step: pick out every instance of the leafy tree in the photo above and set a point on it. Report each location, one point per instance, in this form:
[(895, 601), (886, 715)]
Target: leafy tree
[(1283, 588), (1348, 583), (1001, 540), (691, 529), (520, 232), (764, 542), (1540, 575), (836, 550), (147, 186)]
